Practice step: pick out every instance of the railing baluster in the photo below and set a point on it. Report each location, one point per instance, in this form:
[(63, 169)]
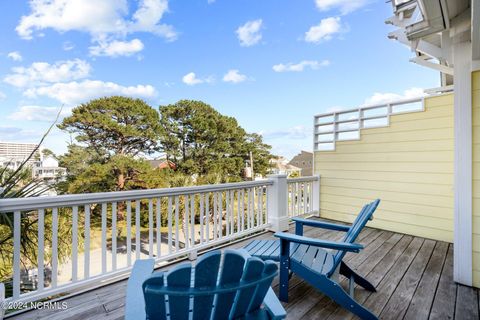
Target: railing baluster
[(215, 212), (129, 233), (104, 237), (177, 223), (169, 222), (310, 197), (192, 219), (238, 211), (86, 268), (159, 227), (54, 247), (41, 248), (16, 254), (74, 246), (114, 236), (227, 213), (292, 200), (264, 205), (232, 212), (302, 197), (306, 192), (220, 214), (299, 199), (254, 207), (207, 214), (242, 209), (150, 228), (137, 229), (202, 217), (259, 206), (186, 210), (250, 208)]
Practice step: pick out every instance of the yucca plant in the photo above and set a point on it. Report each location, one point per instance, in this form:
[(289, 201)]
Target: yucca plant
[(19, 183)]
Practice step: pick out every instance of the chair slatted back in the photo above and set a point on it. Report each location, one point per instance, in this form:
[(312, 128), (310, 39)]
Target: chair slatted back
[(357, 226), (224, 288)]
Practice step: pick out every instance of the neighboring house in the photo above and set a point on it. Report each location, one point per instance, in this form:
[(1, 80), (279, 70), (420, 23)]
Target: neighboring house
[(162, 164), (281, 166), (304, 161), (11, 163), (47, 169)]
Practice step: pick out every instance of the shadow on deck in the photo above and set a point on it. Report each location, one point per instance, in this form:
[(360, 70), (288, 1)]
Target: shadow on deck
[(413, 276)]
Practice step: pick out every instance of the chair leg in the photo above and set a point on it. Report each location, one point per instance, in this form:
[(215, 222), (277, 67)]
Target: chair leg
[(361, 281), (284, 278), (337, 294)]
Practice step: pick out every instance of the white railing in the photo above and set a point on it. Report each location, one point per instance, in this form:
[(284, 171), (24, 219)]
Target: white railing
[(102, 234), (85, 240), (347, 124), (303, 194)]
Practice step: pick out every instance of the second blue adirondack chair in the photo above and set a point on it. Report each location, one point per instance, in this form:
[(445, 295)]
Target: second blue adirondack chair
[(229, 286), (308, 258)]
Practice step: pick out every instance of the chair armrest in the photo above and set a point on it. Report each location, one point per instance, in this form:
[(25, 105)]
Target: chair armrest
[(274, 307), (322, 224), (343, 246), (135, 302)]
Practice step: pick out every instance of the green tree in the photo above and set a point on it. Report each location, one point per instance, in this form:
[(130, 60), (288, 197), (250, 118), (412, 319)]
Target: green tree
[(114, 131), (90, 172), (205, 143)]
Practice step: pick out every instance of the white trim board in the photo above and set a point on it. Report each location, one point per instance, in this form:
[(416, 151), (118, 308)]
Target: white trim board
[(462, 237)]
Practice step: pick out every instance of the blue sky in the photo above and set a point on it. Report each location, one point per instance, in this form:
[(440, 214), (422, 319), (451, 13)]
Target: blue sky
[(272, 64)]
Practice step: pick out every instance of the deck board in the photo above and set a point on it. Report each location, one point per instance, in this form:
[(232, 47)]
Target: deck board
[(400, 299), (466, 306), (419, 308), (413, 276)]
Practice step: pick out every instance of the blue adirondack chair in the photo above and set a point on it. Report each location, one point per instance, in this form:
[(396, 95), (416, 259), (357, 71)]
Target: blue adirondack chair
[(315, 262), (229, 286)]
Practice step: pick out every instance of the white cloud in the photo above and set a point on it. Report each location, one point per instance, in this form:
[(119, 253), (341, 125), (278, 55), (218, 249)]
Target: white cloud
[(18, 134), (298, 67), (15, 56), (234, 76), (345, 6), (38, 113), (117, 48), (191, 79), (324, 31), (99, 18), (379, 98), (2, 95), (297, 132), (42, 72), (67, 46), (73, 93), (249, 33)]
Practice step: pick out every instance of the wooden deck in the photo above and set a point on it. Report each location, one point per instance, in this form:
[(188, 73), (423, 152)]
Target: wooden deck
[(413, 277)]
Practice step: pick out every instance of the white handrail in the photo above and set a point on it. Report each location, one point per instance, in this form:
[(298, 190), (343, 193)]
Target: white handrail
[(303, 179), (21, 204)]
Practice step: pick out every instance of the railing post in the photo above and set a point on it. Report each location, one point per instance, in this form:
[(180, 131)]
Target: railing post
[(316, 196), (277, 203), (2, 299)]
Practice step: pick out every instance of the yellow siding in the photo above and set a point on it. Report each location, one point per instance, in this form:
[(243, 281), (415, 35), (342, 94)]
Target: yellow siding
[(409, 165), (476, 176)]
